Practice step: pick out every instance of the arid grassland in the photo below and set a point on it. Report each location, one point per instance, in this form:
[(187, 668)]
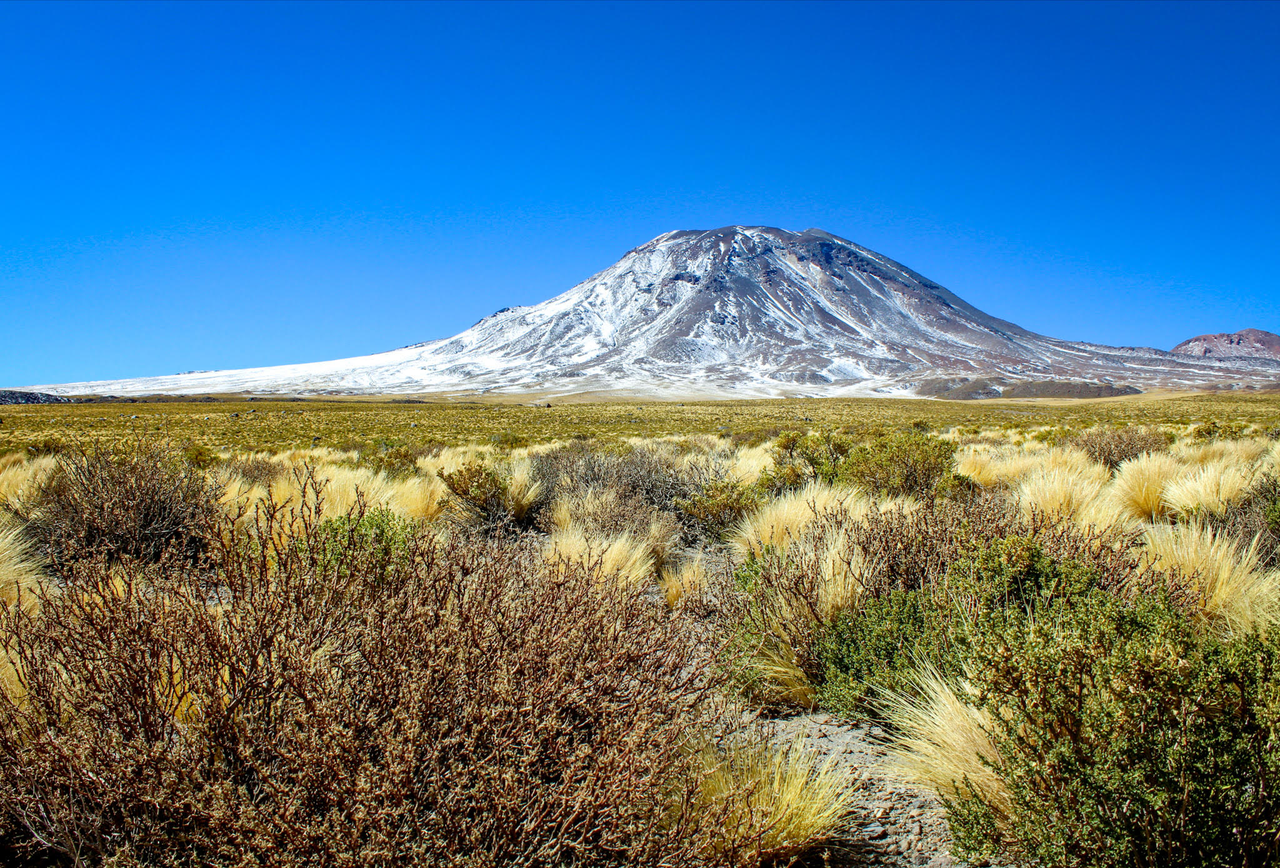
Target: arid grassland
[(803, 632)]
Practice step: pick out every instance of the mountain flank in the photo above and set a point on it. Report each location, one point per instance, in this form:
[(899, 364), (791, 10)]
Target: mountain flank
[(741, 311)]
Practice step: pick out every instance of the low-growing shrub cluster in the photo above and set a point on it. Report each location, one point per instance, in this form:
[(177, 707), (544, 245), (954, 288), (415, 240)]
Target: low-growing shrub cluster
[(556, 653)]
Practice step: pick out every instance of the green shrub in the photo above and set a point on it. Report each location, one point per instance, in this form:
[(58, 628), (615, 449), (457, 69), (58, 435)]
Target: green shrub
[(1125, 738), (380, 536), (717, 505), (908, 463), (1013, 573), (874, 649)]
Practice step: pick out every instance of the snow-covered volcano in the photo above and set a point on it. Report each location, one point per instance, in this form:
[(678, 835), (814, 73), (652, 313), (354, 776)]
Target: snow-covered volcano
[(739, 311)]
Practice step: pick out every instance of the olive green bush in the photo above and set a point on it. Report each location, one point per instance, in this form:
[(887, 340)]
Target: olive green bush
[(1126, 737)]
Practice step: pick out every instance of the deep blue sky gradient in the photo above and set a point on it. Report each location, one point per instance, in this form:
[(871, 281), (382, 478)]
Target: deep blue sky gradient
[(198, 186)]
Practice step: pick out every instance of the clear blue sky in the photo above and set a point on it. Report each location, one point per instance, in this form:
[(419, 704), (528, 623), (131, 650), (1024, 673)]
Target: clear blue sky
[(196, 186)]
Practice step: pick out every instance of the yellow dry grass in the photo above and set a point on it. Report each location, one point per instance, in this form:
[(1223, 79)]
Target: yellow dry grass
[(19, 570), (794, 799), (1234, 593), (1061, 492), (1210, 489), (683, 581), (772, 674), (624, 558), (784, 519), (1139, 485), (20, 479), (943, 743)]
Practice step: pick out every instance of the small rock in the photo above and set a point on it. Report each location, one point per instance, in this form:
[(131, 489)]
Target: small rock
[(874, 831)]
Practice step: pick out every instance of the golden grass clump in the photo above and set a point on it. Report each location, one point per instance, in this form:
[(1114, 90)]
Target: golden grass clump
[(749, 463), (943, 743), (1234, 593), (419, 497), (19, 570), (624, 558), (681, 581), (1210, 489), (1060, 492), (843, 573), (522, 489), (1139, 485), (771, 671), (993, 468), (454, 458), (794, 800), (20, 479), (1238, 452), (784, 519)]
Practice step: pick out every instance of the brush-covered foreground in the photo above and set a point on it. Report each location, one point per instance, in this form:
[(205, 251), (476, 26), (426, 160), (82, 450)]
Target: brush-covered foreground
[(510, 652)]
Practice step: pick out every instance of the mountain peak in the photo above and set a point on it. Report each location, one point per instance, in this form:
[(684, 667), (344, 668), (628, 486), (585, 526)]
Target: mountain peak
[(748, 311)]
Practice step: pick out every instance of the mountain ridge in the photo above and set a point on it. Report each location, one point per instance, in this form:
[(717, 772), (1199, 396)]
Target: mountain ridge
[(739, 311)]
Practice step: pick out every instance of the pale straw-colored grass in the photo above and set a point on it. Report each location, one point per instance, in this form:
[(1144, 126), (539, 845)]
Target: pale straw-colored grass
[(943, 744), (1210, 489), (20, 575), (784, 519), (20, 479), (419, 497), (794, 799), (992, 468), (1233, 592), (1139, 485), (1060, 492), (1245, 453), (624, 558), (682, 581)]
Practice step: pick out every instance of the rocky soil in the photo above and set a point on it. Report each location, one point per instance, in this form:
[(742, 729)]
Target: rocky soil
[(892, 824)]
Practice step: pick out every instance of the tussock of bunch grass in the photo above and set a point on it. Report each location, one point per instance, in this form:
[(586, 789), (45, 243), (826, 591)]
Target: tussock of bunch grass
[(1231, 591), (1060, 492), (770, 671), (784, 519), (19, 569), (1139, 485), (20, 479), (795, 800), (623, 559), (992, 469), (943, 743), (684, 581), (1237, 452), (1209, 490)]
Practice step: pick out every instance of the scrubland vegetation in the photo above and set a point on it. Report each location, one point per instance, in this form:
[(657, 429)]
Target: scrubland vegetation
[(526, 647)]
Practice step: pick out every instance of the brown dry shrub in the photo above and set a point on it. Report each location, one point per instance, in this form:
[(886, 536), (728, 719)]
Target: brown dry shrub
[(1256, 517), (136, 500), (1112, 447), (306, 703), (634, 473)]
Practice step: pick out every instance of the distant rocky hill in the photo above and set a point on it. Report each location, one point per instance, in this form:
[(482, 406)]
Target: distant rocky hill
[(11, 397), (733, 312), (1246, 343)]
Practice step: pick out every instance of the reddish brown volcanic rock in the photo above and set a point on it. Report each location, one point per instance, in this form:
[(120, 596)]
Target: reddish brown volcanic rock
[(1246, 343)]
